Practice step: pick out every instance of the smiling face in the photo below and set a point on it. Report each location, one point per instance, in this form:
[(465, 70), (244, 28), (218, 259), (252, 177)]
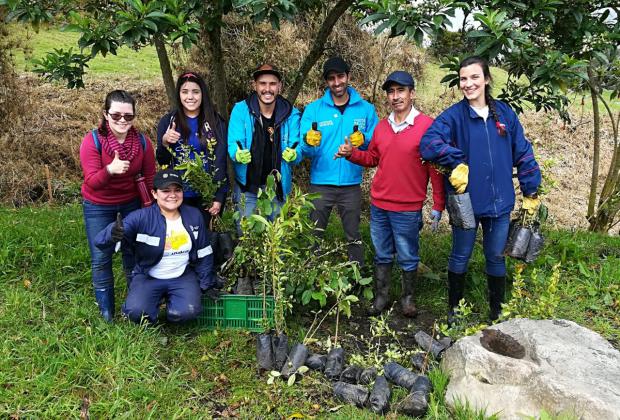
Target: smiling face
[(121, 127), (267, 87), (400, 98), (169, 198), (191, 98), (473, 83), (337, 84)]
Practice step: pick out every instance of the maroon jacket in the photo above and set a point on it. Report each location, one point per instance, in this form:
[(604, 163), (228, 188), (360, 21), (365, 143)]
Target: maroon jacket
[(100, 187)]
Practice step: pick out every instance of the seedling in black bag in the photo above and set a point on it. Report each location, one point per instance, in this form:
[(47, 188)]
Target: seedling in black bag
[(352, 394), (525, 241)]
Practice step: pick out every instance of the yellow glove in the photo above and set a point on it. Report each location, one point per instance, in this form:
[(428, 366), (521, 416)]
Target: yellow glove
[(357, 138), (459, 178), (313, 137), (531, 204), (289, 154), (243, 156)]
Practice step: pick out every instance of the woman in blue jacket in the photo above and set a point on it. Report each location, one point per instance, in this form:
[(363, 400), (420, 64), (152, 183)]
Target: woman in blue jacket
[(172, 252), (195, 123), (480, 140)]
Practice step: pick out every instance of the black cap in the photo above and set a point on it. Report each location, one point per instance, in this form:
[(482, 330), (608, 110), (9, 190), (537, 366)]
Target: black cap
[(165, 178), (336, 64), (400, 78), (266, 69)]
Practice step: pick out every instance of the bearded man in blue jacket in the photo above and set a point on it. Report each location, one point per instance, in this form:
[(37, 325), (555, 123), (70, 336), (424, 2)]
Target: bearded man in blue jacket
[(263, 139), (339, 116)]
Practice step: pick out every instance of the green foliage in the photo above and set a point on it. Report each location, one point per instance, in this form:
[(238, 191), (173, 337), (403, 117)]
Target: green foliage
[(536, 297), (466, 322), (192, 164), (63, 65)]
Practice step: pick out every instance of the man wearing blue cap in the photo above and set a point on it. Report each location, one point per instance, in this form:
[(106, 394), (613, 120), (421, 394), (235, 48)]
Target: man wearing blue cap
[(398, 190), (339, 114)]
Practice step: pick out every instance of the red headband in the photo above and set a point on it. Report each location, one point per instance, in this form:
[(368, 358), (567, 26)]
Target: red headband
[(190, 74)]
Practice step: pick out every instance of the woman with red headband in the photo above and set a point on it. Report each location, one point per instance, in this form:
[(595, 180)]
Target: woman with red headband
[(112, 156), (195, 123)]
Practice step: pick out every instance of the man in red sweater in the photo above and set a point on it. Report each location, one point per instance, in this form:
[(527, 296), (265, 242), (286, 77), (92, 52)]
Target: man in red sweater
[(398, 190)]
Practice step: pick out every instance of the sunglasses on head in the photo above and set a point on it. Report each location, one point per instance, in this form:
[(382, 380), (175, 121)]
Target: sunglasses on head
[(117, 116)]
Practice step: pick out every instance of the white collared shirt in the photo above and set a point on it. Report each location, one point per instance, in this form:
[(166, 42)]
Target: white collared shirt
[(398, 127)]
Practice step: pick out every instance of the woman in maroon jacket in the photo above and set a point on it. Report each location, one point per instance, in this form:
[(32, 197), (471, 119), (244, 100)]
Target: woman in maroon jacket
[(112, 156)]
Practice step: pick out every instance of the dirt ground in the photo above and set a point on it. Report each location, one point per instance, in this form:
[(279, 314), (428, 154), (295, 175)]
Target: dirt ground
[(54, 121)]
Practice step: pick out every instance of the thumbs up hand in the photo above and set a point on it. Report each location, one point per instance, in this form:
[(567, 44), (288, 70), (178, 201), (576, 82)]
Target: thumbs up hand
[(117, 230), (117, 166), (344, 150), (171, 136)]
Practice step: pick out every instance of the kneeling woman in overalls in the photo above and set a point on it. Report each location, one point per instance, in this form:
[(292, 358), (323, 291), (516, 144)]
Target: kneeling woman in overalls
[(172, 252)]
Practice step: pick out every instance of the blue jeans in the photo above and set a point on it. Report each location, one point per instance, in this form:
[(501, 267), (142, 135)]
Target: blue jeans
[(96, 218), (183, 295), (396, 232), (494, 237), (248, 201)]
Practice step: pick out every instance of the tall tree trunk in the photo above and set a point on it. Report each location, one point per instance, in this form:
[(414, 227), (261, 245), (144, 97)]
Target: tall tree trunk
[(219, 95), (597, 143), (317, 46), (166, 70)]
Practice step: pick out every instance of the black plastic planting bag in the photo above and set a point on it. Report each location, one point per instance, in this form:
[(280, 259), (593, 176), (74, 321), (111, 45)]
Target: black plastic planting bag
[(316, 362), (414, 404), (280, 350), (422, 384), (427, 343), (380, 396), (461, 211), (351, 374), (334, 363), (264, 352), (368, 375), (518, 240), (296, 359), (536, 244), (352, 394), (399, 375), (244, 286), (419, 361)]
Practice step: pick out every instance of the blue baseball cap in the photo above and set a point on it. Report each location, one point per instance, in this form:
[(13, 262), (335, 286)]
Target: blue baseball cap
[(399, 77)]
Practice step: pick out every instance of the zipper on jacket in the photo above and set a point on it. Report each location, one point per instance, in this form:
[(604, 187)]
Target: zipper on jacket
[(486, 129)]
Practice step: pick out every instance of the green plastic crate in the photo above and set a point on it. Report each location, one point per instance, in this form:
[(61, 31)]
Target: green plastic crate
[(243, 312)]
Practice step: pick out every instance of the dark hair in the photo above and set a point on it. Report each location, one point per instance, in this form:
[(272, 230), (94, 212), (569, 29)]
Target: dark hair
[(207, 110), (121, 96), (487, 75)]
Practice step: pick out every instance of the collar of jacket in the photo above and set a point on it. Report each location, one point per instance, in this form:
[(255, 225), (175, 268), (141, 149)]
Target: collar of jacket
[(353, 96), (282, 111)]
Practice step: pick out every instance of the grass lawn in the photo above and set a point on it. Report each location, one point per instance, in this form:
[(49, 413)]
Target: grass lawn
[(141, 65), (58, 357)]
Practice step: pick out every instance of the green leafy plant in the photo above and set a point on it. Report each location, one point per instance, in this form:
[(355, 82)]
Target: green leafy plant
[(466, 322), (192, 164), (61, 64), (536, 297)]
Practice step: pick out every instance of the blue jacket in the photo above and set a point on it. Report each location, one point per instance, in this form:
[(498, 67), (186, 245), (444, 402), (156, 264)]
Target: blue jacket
[(164, 157), (334, 127), (241, 129), (459, 135), (145, 233)]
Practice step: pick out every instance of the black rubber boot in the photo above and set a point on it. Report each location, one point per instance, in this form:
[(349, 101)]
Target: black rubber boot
[(382, 288), (406, 302), (105, 300), (456, 287), (497, 291)]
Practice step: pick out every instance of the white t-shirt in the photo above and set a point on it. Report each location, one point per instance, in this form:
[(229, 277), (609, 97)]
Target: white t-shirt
[(483, 112), (176, 251)]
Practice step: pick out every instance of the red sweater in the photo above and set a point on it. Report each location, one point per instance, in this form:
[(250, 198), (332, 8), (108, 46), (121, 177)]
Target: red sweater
[(100, 187), (401, 180)]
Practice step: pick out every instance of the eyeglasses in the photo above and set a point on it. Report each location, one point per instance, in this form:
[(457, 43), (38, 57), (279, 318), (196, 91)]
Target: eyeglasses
[(117, 116)]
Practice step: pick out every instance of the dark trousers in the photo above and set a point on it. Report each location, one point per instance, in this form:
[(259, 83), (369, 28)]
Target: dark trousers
[(182, 293), (348, 201)]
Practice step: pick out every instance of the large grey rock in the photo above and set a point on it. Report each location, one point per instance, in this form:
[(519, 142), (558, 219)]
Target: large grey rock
[(566, 369)]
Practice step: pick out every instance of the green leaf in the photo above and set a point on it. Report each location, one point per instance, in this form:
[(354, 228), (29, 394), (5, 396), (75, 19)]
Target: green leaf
[(291, 380)]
